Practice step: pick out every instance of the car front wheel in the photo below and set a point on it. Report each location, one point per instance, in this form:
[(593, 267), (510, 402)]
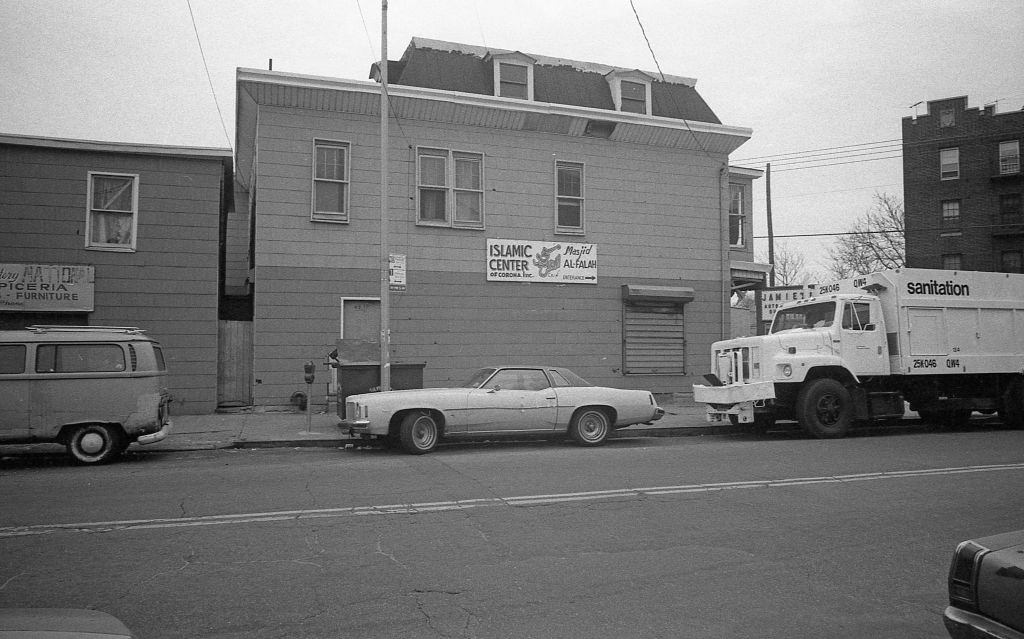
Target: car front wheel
[(590, 426), (96, 443), (419, 433)]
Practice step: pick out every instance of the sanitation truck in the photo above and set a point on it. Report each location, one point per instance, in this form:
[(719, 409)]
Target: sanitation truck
[(947, 342)]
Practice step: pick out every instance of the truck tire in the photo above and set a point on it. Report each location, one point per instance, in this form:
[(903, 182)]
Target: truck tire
[(824, 408), (1011, 410)]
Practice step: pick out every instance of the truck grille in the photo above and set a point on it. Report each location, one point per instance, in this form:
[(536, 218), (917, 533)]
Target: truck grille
[(737, 365)]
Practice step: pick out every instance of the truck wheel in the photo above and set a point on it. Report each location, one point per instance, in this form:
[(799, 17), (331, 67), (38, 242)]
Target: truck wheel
[(824, 408), (96, 443), (419, 433), (1012, 409), (590, 426)]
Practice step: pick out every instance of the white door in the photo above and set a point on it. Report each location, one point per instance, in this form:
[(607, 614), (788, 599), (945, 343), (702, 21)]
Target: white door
[(864, 348)]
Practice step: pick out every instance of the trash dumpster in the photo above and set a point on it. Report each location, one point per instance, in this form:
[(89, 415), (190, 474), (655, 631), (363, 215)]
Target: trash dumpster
[(354, 379)]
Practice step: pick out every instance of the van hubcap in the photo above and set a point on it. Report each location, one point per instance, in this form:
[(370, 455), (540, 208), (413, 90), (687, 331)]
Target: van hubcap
[(92, 443)]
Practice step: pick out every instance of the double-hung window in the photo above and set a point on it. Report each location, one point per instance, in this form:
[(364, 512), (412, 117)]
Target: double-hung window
[(514, 81), (949, 164), (569, 198), (112, 217), (1009, 157), (330, 181), (950, 213), (450, 188), (952, 261), (736, 215)]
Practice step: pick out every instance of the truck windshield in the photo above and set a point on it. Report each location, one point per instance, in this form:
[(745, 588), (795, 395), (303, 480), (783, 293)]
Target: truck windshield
[(808, 316)]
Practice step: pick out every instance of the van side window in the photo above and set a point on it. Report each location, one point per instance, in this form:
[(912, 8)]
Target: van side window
[(159, 352), (12, 359), (79, 358)]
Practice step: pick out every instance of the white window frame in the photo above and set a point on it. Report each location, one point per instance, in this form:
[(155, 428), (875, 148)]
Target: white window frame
[(518, 59), (331, 216), (1009, 162), (581, 198), (742, 215), (615, 79), (449, 188), (89, 213), (944, 161)]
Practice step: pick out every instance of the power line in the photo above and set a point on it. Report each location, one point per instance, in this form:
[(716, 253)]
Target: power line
[(206, 67), (892, 231), (818, 166), (825, 149)]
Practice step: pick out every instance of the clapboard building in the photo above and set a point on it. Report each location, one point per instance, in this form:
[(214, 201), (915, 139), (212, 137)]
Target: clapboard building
[(539, 210)]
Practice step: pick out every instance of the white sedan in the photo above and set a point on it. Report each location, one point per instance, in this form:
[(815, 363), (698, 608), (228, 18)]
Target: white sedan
[(504, 400)]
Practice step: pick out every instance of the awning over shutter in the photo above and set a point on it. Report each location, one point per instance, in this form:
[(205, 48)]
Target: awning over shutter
[(644, 292)]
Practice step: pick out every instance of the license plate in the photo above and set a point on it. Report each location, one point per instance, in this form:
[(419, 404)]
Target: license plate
[(716, 418)]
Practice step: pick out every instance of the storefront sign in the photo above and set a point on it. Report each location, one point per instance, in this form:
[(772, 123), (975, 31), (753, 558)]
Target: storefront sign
[(46, 287), (396, 272), (773, 298), (528, 261)]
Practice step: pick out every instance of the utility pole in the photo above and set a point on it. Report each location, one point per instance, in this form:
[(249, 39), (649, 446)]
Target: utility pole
[(771, 234), (385, 292)]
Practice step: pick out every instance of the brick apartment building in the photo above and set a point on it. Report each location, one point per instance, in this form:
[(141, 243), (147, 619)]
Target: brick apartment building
[(962, 187)]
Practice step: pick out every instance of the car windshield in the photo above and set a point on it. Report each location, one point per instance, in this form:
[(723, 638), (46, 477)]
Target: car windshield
[(806, 316), (478, 378)]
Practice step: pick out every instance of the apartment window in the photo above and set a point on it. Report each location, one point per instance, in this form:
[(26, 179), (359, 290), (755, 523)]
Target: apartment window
[(951, 213), (949, 164), (947, 117), (1011, 262), (112, 218), (450, 179), (1009, 157), (1009, 207), (952, 261), (330, 181), (514, 81), (569, 215), (737, 214), (634, 97)]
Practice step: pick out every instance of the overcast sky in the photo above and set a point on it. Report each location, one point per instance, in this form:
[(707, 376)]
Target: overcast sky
[(803, 74)]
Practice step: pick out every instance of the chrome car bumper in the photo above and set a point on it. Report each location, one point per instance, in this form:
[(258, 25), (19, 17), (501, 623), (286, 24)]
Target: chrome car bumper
[(152, 438), (355, 426), (962, 624)]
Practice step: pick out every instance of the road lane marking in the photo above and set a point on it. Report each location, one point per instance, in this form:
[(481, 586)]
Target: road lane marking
[(484, 502)]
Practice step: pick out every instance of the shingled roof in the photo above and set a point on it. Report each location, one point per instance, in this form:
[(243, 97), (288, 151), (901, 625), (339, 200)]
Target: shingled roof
[(451, 66)]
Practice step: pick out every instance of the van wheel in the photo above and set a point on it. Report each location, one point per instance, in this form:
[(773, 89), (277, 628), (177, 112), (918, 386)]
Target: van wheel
[(824, 408), (96, 443)]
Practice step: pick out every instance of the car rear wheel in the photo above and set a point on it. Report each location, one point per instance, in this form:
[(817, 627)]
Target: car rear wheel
[(96, 443), (590, 426), (419, 433)]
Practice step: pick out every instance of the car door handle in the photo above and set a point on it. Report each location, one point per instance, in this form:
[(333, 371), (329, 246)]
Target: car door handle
[(863, 347)]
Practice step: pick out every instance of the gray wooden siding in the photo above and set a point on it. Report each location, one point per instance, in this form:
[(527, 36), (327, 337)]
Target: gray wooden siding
[(168, 286)]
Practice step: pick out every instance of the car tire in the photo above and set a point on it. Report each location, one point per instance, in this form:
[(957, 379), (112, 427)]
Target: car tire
[(419, 433), (1011, 409), (590, 426), (96, 443), (824, 408)]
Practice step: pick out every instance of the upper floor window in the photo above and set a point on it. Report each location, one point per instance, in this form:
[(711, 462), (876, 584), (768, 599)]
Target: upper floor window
[(737, 214), (1011, 262), (952, 261), (569, 198), (631, 91), (513, 75), (330, 181), (949, 164), (951, 213), (1009, 206), (1009, 157), (112, 218), (450, 188)]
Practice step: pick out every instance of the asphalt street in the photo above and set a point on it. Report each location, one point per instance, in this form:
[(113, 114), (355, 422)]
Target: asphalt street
[(713, 536)]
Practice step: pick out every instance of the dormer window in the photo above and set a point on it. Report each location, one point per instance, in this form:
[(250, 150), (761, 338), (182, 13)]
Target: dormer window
[(631, 91), (513, 75)]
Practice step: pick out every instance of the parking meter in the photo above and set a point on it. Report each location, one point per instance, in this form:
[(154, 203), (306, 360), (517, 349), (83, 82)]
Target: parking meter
[(310, 371)]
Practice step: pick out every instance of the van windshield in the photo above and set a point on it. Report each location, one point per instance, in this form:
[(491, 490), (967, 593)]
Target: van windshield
[(818, 315)]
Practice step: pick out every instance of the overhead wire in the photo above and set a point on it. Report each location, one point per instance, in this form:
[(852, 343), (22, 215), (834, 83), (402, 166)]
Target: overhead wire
[(209, 79)]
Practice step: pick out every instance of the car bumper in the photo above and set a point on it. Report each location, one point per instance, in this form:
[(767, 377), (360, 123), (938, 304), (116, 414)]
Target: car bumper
[(152, 438), (355, 426), (962, 624)]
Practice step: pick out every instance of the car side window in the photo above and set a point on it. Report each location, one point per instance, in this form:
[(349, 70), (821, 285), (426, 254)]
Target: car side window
[(557, 380), (518, 379)]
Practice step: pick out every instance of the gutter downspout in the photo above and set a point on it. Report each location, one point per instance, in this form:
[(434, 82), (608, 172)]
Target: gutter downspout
[(725, 272)]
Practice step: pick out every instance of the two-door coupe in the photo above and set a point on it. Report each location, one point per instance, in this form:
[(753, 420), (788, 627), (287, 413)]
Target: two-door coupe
[(503, 400)]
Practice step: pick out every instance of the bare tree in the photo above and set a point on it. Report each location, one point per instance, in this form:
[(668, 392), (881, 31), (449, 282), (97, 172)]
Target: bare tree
[(874, 242), (790, 266)]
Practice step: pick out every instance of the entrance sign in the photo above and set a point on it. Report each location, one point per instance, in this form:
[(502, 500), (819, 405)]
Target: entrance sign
[(549, 262), (46, 287)]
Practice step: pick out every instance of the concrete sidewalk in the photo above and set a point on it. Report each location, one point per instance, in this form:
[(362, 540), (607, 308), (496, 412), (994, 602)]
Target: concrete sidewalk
[(257, 428)]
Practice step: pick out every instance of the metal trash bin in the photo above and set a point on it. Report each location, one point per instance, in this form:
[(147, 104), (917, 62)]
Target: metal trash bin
[(364, 377)]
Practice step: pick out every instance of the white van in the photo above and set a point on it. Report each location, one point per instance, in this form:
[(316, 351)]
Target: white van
[(94, 389)]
